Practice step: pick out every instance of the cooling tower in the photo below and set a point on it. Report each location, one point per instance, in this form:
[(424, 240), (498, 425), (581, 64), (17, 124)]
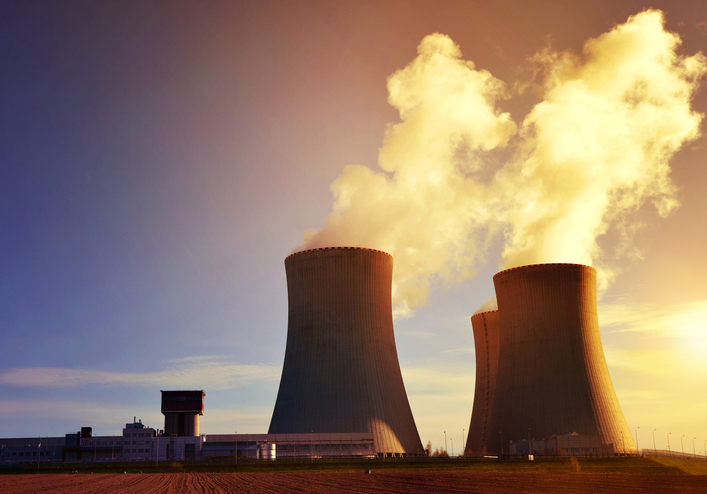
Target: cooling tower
[(552, 375), (485, 327), (341, 371)]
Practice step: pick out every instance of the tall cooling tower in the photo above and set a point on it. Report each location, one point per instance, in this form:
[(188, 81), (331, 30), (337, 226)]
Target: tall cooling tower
[(341, 371), (485, 327), (552, 375)]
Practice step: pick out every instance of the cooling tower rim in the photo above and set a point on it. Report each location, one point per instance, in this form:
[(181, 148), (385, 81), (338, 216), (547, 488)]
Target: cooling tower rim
[(337, 248), (484, 312), (530, 266)]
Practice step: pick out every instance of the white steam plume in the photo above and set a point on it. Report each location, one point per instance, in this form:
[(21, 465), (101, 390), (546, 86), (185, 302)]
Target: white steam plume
[(425, 208), (586, 159), (598, 146)]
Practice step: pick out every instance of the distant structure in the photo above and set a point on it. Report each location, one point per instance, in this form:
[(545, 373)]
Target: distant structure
[(552, 375), (182, 410), (341, 372), (485, 327)]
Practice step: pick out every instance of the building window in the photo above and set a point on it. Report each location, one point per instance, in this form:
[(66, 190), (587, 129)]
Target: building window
[(147, 451)]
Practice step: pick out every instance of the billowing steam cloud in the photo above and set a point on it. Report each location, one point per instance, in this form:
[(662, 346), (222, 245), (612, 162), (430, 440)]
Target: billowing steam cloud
[(598, 146), (585, 159), (426, 209)]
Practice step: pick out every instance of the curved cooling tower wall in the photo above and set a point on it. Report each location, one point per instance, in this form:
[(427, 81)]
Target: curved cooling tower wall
[(485, 327), (552, 375), (341, 371)]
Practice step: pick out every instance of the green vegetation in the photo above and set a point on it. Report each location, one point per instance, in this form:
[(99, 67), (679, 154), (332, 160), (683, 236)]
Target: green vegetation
[(578, 466)]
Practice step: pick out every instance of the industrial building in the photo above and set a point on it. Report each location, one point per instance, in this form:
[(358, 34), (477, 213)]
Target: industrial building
[(552, 379), (572, 444), (341, 373)]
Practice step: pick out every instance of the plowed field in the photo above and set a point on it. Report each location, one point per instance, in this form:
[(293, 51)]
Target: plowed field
[(326, 482)]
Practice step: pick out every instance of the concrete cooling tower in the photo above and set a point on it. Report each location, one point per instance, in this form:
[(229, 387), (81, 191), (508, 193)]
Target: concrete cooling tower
[(485, 327), (552, 375), (341, 372)]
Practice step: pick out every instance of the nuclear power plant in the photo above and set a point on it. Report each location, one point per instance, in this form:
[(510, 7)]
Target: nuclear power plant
[(551, 378), (341, 372), (542, 383)]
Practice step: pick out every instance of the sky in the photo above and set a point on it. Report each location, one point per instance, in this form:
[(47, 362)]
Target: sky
[(159, 160)]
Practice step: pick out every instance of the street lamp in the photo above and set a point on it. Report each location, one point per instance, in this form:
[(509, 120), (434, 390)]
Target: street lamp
[(463, 441), (693, 447), (669, 453), (682, 446), (445, 442), (452, 441), (654, 452), (636, 431), (235, 451)]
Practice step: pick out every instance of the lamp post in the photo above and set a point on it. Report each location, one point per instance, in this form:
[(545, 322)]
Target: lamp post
[(235, 451), (654, 452), (669, 453), (693, 447), (638, 451), (682, 446), (445, 442), (452, 441), (463, 441)]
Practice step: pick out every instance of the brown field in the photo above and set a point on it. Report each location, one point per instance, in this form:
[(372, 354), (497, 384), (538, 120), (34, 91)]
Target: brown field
[(330, 482)]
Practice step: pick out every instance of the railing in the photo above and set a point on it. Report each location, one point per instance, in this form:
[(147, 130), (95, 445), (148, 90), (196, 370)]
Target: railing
[(664, 453)]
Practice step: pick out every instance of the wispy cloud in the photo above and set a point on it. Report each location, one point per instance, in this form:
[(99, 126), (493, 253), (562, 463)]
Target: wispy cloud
[(460, 351), (670, 320), (196, 372), (437, 382)]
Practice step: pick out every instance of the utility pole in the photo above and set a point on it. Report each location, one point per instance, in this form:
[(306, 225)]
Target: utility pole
[(654, 451)]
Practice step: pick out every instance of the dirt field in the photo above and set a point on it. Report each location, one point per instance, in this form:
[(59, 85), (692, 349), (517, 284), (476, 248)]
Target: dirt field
[(325, 482)]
